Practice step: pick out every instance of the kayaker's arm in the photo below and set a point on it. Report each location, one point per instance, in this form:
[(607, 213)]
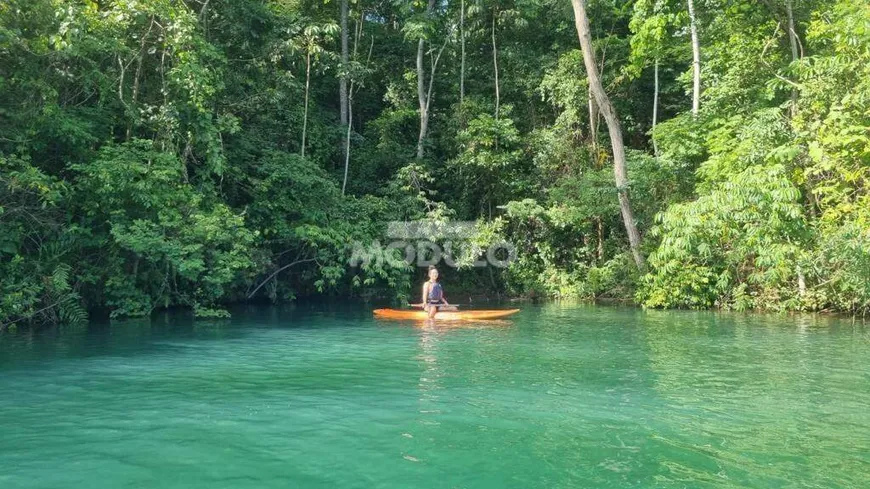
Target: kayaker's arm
[(425, 300)]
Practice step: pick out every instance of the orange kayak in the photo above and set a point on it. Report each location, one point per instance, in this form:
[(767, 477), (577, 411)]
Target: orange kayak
[(444, 315)]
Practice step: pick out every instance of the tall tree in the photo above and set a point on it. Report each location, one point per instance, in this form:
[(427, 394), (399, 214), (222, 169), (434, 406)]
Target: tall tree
[(495, 60), (652, 28), (310, 42), (696, 60), (655, 110), (581, 22), (793, 42), (352, 89), (424, 93), (503, 14), (462, 52), (792, 33), (342, 80)]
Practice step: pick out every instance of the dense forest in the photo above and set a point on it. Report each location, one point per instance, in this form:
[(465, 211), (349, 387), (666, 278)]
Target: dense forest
[(198, 153)]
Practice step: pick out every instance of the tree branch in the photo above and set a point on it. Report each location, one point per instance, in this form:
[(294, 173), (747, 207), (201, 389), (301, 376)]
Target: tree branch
[(276, 272)]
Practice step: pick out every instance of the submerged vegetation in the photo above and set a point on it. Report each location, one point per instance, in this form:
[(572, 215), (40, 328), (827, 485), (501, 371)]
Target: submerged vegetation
[(160, 153)]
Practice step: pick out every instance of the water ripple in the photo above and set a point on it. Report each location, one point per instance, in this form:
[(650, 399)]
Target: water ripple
[(562, 396)]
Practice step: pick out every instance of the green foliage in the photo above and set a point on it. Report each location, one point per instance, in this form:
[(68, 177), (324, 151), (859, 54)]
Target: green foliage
[(544, 266), (169, 244), (653, 23), (489, 160), (831, 121), (41, 288), (149, 153), (39, 295), (744, 237), (781, 157)]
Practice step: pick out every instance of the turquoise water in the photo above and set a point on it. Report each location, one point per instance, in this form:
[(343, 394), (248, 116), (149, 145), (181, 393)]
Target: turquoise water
[(560, 397)]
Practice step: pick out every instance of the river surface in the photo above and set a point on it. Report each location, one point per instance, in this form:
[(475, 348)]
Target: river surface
[(562, 396)]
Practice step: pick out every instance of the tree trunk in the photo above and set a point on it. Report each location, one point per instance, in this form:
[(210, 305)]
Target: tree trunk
[(793, 42), (462, 56), (350, 94), (422, 95), (614, 128), (696, 61), (495, 62), (135, 98), (342, 81), (136, 78), (655, 115), (802, 282), (600, 251), (347, 141), (792, 34), (593, 126), (305, 114)]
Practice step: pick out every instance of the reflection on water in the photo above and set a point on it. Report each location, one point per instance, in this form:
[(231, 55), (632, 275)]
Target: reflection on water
[(561, 396)]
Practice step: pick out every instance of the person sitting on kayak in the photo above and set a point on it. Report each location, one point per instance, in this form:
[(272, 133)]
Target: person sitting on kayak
[(433, 294)]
